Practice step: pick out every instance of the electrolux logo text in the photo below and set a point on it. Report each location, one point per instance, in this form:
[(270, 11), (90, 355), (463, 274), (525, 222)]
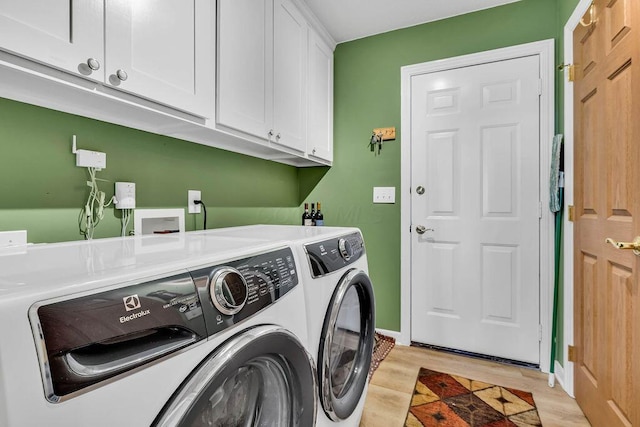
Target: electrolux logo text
[(132, 302)]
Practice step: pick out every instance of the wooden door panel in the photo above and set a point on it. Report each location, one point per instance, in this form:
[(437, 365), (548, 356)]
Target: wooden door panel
[(618, 138), (589, 152), (590, 313), (617, 18), (621, 305)]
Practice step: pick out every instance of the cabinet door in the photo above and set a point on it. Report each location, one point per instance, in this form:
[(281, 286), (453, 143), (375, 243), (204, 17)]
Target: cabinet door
[(245, 66), (290, 76), (163, 50), (320, 120), (60, 33)]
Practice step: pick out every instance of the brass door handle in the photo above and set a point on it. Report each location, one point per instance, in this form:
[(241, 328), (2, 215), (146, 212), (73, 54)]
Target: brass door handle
[(634, 246)]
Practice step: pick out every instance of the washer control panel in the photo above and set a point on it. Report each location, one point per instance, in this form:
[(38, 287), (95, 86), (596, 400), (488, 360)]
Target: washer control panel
[(238, 289), (330, 255), (83, 341)]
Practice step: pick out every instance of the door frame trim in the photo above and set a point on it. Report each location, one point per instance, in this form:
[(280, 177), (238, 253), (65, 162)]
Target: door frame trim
[(564, 373), (545, 50)]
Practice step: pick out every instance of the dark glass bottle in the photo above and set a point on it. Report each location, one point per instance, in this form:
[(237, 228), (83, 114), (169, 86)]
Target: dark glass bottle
[(313, 214), (319, 220), (306, 216)]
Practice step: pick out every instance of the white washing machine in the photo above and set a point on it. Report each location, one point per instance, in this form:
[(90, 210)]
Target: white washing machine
[(340, 310), (174, 330)]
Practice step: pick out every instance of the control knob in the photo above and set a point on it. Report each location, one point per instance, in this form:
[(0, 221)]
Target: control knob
[(346, 251), (228, 290)]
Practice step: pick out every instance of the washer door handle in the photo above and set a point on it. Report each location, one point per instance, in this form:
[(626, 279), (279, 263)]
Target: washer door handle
[(91, 364)]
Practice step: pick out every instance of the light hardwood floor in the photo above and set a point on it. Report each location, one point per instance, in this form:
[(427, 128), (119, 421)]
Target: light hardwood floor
[(392, 385)]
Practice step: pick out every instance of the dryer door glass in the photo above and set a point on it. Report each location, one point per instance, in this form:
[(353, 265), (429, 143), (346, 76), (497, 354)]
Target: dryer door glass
[(346, 345), (262, 377)]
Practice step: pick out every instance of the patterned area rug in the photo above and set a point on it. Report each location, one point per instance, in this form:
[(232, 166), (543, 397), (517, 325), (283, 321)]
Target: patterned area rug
[(381, 348), (443, 400)]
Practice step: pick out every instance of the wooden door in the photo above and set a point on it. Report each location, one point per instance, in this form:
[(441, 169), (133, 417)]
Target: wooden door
[(475, 144), (607, 205), (166, 50), (59, 33)]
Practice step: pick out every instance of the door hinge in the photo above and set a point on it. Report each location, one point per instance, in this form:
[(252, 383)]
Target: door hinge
[(539, 86), (571, 71), (572, 213), (571, 353), (539, 333), (539, 210)]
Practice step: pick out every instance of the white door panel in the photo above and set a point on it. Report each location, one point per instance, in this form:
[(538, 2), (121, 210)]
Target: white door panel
[(475, 150), (290, 76), (166, 48), (245, 68), (60, 33)]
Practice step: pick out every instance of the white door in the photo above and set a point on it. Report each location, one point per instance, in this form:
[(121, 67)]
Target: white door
[(320, 112), (475, 152), (60, 33), (290, 76), (245, 65), (163, 50)]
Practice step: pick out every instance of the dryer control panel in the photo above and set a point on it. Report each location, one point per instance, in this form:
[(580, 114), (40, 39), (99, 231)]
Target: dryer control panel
[(238, 289), (334, 254)]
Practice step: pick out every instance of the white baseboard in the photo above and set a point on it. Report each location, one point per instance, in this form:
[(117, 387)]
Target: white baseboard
[(559, 374), (393, 334)]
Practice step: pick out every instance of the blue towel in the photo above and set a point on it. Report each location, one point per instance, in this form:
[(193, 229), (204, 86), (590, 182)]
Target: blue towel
[(554, 178)]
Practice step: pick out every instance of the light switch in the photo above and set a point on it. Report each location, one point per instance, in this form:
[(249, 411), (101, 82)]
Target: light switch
[(384, 194)]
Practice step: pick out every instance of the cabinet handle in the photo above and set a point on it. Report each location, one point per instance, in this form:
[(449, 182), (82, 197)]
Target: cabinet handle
[(313, 151), (278, 137), (93, 63), (270, 133), (122, 75)]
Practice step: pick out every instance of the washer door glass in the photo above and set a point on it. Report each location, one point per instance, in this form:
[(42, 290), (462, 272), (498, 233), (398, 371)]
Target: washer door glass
[(263, 377), (346, 345)]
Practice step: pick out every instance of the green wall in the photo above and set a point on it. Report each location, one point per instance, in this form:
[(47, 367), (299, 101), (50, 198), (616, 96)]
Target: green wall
[(367, 95), (42, 190)]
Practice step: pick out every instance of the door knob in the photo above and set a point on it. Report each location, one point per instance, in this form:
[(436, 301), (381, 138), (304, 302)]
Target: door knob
[(121, 75), (634, 246), (421, 229), (93, 63), (420, 190)]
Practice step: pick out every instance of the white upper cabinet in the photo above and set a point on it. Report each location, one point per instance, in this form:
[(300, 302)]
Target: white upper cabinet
[(290, 76), (64, 34), (245, 66), (320, 111), (249, 76), (262, 70), (162, 50)]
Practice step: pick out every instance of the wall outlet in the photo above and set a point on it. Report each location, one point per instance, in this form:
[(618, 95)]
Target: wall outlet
[(194, 195), (384, 194), (125, 195)]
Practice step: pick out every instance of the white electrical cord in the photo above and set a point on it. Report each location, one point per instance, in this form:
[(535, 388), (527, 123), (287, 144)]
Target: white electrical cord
[(93, 210), (126, 218)]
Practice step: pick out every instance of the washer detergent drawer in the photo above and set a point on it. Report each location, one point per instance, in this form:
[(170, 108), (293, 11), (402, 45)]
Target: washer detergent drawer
[(87, 340)]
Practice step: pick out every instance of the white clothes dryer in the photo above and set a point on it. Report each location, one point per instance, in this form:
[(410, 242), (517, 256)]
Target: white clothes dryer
[(175, 330), (340, 313), (341, 319)]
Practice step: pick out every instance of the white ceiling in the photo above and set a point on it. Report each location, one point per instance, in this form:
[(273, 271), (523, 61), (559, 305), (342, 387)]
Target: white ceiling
[(353, 19)]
